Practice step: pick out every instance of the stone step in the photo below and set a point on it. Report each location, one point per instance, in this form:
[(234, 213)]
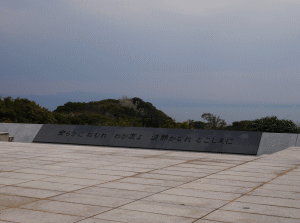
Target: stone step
[(10, 138), (4, 136)]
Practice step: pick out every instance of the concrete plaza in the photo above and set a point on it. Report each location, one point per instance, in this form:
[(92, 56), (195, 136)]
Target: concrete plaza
[(89, 184)]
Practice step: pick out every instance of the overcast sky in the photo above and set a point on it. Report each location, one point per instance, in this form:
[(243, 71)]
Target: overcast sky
[(218, 50)]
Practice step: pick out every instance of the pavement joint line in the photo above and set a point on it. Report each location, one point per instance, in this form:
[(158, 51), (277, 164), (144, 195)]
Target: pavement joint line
[(256, 214), (125, 189), (70, 214), (177, 185), (40, 199), (136, 211), (107, 196), (272, 205), (251, 191), (7, 221), (168, 189)]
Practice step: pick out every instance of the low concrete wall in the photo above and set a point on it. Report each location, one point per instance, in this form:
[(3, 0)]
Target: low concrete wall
[(4, 136), (274, 142), (269, 143), (21, 132), (298, 141)]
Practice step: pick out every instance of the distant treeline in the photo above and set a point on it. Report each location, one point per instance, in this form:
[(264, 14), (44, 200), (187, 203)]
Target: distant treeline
[(129, 112)]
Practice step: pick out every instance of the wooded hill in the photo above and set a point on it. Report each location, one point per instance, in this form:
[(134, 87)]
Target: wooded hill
[(129, 112)]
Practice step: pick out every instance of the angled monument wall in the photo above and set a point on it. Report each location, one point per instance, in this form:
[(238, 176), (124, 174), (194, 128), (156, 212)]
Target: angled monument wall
[(274, 142), (234, 142), (21, 132)]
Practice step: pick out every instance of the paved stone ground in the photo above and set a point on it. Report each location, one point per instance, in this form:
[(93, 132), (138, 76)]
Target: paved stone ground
[(85, 184)]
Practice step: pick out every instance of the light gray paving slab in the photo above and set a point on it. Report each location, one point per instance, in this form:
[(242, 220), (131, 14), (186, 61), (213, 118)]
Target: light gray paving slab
[(58, 207), (136, 165), (13, 201), (29, 216), (93, 176), (191, 170), (297, 169), (211, 187), (92, 169), (75, 181), (92, 199), (219, 164), (179, 173), (41, 171), (95, 220), (22, 176), (263, 209), (228, 182), (126, 168), (50, 186), (287, 182), (28, 192), (166, 177), (237, 178), (289, 177), (134, 186), (201, 167), (265, 162), (8, 168), (109, 172), (184, 200), (138, 217), (158, 162), (280, 187), (111, 192), (50, 167), (168, 209), (293, 173), (276, 193), (251, 167), (258, 170), (11, 181), (155, 182), (249, 174), (202, 194), (270, 201), (240, 217), (208, 221)]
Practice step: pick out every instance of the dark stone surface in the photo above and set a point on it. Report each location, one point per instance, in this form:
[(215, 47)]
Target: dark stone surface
[(235, 142)]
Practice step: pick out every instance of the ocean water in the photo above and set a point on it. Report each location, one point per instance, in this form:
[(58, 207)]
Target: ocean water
[(236, 112)]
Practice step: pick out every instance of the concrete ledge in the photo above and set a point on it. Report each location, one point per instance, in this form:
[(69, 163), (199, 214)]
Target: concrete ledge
[(274, 142), (20, 132), (4, 136), (298, 141)]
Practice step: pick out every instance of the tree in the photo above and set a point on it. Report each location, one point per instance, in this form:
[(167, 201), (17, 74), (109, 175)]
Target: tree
[(273, 124), (214, 122), (239, 125), (150, 115), (199, 125), (24, 111), (169, 124)]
